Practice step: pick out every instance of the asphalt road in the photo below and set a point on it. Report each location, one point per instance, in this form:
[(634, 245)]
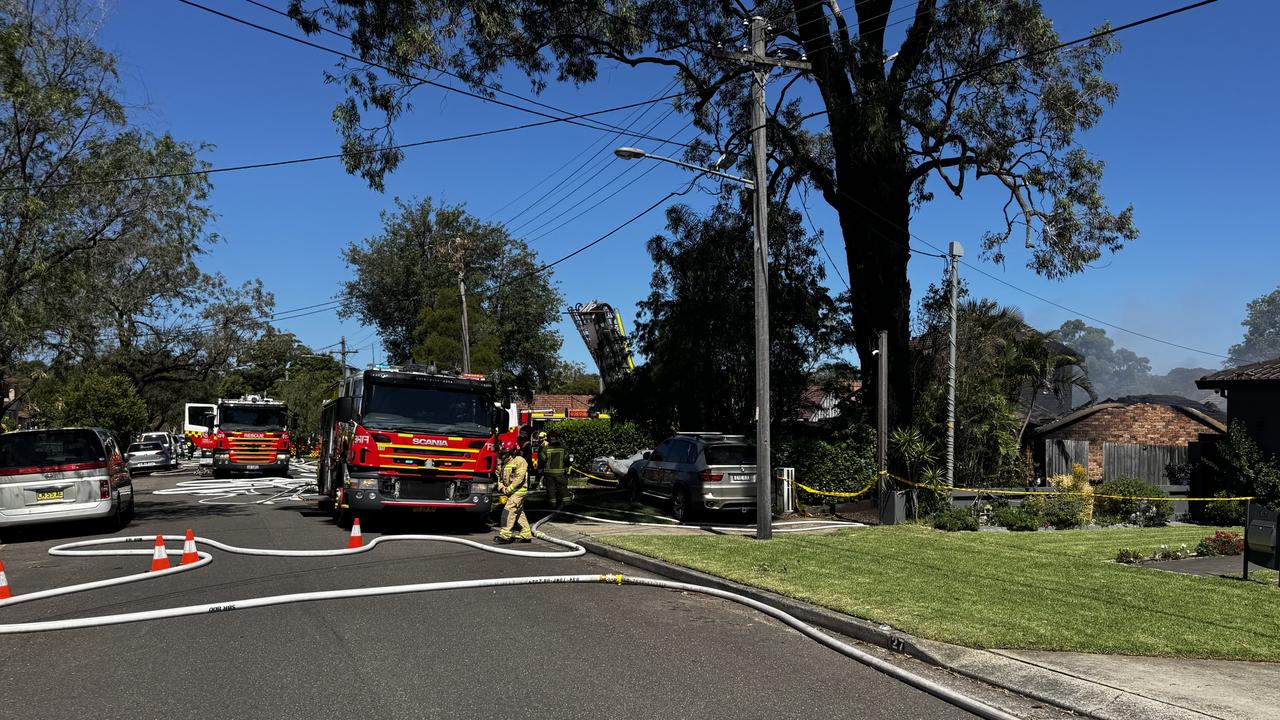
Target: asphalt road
[(588, 651)]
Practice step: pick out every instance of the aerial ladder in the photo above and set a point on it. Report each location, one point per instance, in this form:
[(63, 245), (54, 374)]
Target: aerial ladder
[(601, 329)]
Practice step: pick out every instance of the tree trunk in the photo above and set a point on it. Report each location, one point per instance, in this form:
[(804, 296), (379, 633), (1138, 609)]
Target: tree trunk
[(874, 214)]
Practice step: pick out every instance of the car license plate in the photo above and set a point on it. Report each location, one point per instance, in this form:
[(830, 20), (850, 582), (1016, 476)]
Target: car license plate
[(252, 467), (50, 495), (424, 509), (741, 478)]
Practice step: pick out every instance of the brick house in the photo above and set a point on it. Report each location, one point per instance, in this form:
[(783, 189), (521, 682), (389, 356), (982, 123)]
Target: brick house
[(1136, 436), (548, 406), (1253, 398)]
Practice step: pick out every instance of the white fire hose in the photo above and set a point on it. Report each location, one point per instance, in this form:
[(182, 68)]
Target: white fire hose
[(77, 549)]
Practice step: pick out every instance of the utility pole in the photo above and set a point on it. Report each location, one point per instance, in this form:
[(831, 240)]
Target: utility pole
[(954, 253), (759, 140), (459, 248), (889, 514), (760, 64), (466, 339), (344, 352)]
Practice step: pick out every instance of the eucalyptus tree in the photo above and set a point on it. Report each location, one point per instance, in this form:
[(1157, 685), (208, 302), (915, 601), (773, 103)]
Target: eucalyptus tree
[(902, 100)]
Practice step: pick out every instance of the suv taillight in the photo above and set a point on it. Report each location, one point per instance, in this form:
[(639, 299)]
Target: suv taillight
[(104, 489), (708, 476)]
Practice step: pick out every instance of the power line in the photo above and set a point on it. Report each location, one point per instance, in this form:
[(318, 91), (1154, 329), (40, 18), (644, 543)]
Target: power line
[(403, 74), (278, 315), (1090, 317), (633, 118), (600, 188), (602, 238), (488, 86), (317, 158), (1062, 45), (580, 169), (822, 242)]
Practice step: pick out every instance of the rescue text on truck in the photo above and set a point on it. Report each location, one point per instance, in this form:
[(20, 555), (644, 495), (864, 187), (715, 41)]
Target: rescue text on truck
[(251, 437), (410, 439)]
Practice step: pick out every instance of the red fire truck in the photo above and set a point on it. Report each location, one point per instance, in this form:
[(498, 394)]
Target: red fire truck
[(251, 436), (410, 438)]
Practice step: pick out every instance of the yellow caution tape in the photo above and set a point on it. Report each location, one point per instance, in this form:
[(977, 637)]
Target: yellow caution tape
[(1039, 492), (808, 489), (574, 468)]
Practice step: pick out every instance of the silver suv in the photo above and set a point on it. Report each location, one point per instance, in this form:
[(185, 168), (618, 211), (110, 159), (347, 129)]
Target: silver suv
[(60, 475), (697, 471), (170, 447), (148, 456)]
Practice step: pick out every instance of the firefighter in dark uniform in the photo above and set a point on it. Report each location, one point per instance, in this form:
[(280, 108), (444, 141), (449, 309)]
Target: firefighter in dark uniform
[(555, 476)]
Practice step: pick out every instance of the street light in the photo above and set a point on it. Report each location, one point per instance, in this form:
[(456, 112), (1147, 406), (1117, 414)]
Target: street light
[(760, 257), (630, 153)]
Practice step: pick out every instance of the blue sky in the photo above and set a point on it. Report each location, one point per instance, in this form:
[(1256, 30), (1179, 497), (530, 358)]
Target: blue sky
[(1188, 143)]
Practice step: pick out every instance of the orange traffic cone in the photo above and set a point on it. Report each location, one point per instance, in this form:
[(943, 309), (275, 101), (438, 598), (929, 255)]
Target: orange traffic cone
[(356, 539), (189, 554), (160, 559), (4, 584)]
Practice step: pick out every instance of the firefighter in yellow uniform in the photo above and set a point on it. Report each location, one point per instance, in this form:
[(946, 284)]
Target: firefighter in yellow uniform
[(514, 483)]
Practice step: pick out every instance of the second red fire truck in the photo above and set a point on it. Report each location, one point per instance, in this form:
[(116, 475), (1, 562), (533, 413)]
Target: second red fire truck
[(251, 436)]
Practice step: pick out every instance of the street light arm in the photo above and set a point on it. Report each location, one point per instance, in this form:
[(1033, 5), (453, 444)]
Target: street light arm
[(748, 183)]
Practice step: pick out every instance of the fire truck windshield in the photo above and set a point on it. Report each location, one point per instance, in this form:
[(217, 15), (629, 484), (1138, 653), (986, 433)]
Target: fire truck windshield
[(239, 417), (409, 408)]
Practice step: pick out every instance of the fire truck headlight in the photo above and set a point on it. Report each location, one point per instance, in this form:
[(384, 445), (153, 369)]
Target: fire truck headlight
[(480, 488), (368, 483), (282, 457)]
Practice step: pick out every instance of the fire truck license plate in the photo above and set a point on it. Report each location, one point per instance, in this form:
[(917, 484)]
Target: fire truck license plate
[(424, 509), (252, 467)]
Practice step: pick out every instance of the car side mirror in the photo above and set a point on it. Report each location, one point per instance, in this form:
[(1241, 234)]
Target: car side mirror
[(646, 455)]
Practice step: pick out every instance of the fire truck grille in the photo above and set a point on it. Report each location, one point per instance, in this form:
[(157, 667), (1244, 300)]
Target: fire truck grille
[(252, 450), (424, 490)]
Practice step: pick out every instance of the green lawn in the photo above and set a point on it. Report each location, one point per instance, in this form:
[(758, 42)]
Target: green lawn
[(1043, 590)]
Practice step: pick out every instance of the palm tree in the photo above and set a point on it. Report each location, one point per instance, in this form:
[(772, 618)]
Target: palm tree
[(1037, 362)]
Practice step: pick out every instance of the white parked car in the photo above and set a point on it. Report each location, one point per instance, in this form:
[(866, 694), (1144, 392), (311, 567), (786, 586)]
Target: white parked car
[(620, 466), (60, 475)]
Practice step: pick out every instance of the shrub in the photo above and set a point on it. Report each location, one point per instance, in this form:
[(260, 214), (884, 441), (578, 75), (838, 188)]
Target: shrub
[(1220, 543), (1168, 553), (844, 465), (1223, 512), (1077, 483), (1246, 470), (586, 439), (954, 519), (1016, 519), (1063, 512), (1129, 557), (1123, 501)]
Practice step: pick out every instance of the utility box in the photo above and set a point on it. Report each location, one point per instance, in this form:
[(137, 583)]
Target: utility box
[(784, 493), (1261, 536), (893, 506)]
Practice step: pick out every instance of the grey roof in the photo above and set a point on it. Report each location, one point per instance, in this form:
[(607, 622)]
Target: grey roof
[(1206, 413), (1267, 370)]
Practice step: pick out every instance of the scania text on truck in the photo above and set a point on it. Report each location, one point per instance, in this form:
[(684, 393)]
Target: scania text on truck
[(410, 439), (251, 436)]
